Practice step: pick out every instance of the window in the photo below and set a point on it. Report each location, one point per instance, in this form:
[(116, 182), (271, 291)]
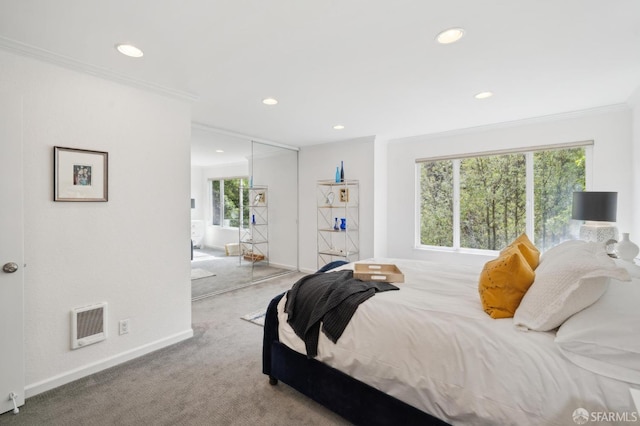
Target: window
[(485, 202), (226, 203)]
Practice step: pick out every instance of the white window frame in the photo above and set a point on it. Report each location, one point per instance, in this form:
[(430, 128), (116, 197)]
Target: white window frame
[(529, 224), (222, 204)]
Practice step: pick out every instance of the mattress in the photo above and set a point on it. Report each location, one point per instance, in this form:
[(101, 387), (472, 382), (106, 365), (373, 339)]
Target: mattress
[(432, 346)]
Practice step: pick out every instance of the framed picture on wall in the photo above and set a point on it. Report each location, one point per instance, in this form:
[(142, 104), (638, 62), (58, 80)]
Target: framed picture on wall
[(80, 174)]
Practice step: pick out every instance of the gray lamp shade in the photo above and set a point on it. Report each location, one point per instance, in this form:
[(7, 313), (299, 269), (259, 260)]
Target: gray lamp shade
[(596, 206), (193, 203)]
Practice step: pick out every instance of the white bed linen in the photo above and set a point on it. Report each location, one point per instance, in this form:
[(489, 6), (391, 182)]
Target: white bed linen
[(432, 346)]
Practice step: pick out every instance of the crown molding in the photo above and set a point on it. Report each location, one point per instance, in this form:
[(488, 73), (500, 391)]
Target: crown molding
[(211, 129), (516, 123), (24, 49)]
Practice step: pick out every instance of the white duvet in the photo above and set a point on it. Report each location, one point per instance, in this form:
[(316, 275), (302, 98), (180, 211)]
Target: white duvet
[(432, 346)]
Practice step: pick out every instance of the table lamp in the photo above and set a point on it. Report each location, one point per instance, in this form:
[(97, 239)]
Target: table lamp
[(598, 210)]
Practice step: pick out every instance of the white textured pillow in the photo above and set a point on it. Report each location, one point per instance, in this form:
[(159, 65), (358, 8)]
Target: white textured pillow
[(567, 280), (555, 251), (605, 337)]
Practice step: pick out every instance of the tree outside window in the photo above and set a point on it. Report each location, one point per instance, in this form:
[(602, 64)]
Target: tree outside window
[(481, 202), (557, 174), (436, 200), (227, 203)]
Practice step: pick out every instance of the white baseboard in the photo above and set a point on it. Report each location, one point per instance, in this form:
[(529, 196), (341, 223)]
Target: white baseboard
[(86, 370), (292, 268)]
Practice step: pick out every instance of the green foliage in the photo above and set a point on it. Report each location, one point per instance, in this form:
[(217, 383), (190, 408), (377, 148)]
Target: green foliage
[(232, 201), (557, 174), (436, 203), (229, 207), (493, 198)]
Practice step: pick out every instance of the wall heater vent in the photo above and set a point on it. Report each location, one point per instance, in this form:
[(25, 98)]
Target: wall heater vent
[(88, 325)]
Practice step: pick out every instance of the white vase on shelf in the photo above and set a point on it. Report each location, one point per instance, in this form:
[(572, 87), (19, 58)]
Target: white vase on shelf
[(627, 250)]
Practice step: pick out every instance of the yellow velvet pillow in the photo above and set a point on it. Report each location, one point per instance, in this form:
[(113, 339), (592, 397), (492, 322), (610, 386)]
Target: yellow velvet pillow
[(528, 250), (504, 282)]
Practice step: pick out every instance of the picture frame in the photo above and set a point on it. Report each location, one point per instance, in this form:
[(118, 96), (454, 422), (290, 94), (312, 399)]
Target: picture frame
[(344, 195), (260, 198), (80, 174)]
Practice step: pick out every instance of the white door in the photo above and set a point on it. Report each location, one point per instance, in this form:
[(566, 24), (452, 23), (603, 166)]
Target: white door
[(11, 253)]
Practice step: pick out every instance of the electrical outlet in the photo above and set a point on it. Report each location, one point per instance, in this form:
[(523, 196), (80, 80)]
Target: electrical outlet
[(124, 326)]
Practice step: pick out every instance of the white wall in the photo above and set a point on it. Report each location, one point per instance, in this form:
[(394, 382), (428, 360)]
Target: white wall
[(380, 199), (319, 162), (132, 251), (198, 193), (278, 170), (634, 102), (609, 128)]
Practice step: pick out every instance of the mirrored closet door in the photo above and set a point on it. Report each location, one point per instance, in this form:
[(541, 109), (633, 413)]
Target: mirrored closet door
[(272, 246), (244, 212)]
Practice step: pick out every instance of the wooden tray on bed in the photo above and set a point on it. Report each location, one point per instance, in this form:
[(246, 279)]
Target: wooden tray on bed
[(382, 272)]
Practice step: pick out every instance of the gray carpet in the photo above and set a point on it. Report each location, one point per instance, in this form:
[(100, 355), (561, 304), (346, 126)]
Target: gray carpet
[(212, 379), (197, 273), (258, 317), (228, 273)]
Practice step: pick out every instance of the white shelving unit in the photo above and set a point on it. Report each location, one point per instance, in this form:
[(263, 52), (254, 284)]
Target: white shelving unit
[(338, 221), (254, 238)]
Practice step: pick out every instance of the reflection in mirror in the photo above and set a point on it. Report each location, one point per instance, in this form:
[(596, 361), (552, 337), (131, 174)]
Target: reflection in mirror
[(223, 167), (219, 167), (274, 170)]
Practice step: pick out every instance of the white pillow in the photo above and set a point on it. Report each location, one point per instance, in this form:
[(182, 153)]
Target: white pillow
[(560, 248), (605, 337), (568, 279)]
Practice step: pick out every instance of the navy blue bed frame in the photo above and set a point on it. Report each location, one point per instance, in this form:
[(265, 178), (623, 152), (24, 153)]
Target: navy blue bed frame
[(356, 401)]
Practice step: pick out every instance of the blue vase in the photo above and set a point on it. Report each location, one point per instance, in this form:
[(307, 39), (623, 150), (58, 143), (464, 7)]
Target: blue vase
[(337, 174), (343, 223)]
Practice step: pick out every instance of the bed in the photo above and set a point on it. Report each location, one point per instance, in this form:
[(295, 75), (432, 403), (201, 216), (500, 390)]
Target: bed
[(430, 354)]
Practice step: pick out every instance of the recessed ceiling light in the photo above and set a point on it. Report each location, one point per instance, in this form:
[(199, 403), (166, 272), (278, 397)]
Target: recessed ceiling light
[(270, 101), (338, 127), (219, 151), (129, 50), (483, 95), (450, 36)]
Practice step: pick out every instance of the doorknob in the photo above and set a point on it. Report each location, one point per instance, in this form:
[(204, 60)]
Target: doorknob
[(10, 267)]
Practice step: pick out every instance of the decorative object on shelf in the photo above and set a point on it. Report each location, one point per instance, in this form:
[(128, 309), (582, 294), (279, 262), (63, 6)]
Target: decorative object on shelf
[(626, 249), (337, 174), (341, 171), (80, 174), (598, 210), (193, 203), (259, 198), (344, 195), (330, 198), (253, 231), (338, 235), (254, 257)]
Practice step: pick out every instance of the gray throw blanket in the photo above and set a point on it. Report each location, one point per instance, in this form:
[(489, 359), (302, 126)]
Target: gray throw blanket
[(331, 298)]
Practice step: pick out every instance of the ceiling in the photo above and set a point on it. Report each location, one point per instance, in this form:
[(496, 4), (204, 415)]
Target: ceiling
[(370, 65)]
